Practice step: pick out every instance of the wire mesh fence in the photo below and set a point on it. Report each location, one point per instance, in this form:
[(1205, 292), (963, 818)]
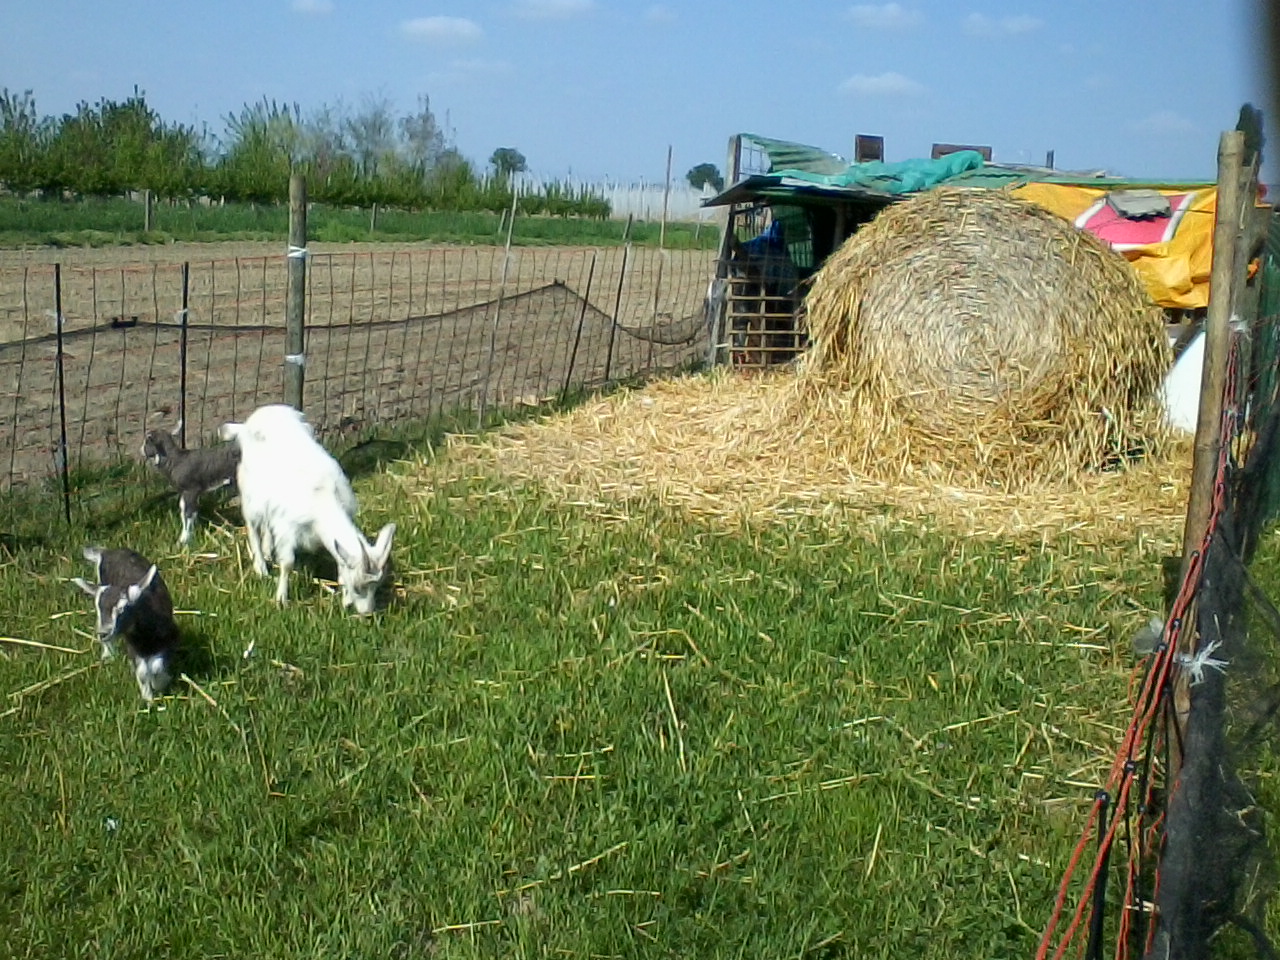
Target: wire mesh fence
[(1177, 857), (104, 353)]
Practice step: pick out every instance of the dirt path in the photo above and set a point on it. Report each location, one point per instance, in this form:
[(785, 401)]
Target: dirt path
[(392, 334)]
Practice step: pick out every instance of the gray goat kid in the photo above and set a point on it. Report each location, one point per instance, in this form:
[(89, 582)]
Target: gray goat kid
[(191, 472), (133, 605)]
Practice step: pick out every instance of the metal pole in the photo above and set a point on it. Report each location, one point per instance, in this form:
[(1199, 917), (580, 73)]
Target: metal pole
[(577, 339), (296, 304), (1097, 917), (63, 467), (617, 303), (666, 195), (182, 357), (497, 316)]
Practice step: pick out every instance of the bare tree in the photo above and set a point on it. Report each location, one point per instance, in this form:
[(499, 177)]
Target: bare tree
[(422, 139), (325, 134), (371, 134)]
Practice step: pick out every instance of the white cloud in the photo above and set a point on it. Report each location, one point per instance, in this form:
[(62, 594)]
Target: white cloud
[(884, 16), (313, 8), (659, 13), (980, 25), (881, 85), (1165, 123), (441, 29), (552, 9)]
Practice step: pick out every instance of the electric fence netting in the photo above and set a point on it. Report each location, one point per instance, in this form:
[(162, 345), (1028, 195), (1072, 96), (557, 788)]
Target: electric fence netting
[(92, 356), (1176, 858)]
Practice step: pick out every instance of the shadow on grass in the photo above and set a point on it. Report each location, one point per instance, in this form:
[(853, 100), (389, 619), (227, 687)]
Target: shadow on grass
[(195, 658), (108, 500), (372, 454)]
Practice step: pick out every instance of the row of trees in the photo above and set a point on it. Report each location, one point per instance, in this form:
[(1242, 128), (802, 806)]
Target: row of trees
[(351, 156)]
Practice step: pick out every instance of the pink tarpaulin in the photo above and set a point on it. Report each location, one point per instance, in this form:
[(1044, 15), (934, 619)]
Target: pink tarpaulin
[(1124, 233)]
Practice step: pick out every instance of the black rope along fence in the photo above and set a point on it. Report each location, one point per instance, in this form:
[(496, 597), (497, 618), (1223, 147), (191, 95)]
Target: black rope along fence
[(92, 357)]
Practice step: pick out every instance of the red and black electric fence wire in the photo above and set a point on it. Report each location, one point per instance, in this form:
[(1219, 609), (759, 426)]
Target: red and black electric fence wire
[(1130, 782)]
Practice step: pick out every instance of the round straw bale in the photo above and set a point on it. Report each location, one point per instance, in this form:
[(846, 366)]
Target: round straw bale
[(976, 336)]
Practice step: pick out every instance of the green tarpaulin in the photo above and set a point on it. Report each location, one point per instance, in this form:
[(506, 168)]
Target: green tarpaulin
[(905, 176), (799, 173)]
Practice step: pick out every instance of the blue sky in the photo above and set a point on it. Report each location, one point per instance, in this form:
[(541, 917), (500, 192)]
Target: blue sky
[(600, 88)]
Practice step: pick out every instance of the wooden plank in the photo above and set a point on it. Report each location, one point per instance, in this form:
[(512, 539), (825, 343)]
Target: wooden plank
[(715, 352)]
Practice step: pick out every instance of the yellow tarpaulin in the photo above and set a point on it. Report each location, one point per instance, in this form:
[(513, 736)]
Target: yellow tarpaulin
[(1175, 270)]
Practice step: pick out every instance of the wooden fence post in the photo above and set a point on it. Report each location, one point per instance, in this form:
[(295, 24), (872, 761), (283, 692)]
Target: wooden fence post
[(296, 303), (148, 207), (1217, 339), (717, 308), (1227, 246)]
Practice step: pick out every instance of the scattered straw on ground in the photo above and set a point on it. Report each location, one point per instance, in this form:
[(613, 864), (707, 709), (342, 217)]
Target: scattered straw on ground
[(709, 445)]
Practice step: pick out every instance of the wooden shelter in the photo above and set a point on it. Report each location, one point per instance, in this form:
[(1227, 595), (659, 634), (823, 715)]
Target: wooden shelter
[(789, 207)]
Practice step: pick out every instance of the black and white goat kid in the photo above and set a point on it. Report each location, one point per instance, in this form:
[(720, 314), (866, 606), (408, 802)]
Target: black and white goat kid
[(192, 473), (134, 606)]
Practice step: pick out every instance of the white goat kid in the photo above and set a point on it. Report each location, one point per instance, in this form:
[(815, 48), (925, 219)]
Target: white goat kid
[(294, 497)]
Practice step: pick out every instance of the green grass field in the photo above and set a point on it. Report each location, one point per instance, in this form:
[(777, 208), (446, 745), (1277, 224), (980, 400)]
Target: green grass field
[(98, 222), (576, 731)]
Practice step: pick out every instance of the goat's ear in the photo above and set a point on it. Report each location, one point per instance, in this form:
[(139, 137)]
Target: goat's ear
[(382, 546), (94, 556), (230, 431), (341, 555), (138, 589), (90, 588), (177, 431)]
